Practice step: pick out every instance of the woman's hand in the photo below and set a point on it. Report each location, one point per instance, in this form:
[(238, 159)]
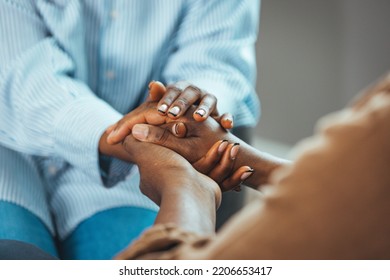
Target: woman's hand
[(175, 100), (218, 165), (172, 104), (195, 139), (164, 172), (189, 138), (186, 197)]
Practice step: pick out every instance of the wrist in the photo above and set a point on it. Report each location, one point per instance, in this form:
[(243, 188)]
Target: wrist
[(205, 192), (262, 163), (191, 205)]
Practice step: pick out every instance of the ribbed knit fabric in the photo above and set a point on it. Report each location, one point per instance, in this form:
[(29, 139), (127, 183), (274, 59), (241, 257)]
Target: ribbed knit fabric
[(70, 68)]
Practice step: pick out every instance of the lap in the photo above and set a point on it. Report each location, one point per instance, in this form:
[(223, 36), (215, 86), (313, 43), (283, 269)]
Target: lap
[(18, 223), (106, 233), (25, 214), (101, 236)]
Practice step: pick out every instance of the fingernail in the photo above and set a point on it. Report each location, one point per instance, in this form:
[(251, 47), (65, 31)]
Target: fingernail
[(140, 131), (234, 150), (222, 146), (174, 111), (163, 108), (177, 129), (230, 120), (247, 174), (201, 112)]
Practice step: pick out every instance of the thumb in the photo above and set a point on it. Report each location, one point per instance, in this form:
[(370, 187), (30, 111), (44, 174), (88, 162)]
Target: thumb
[(159, 134)]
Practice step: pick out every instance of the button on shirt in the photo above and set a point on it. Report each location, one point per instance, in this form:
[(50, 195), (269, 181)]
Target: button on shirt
[(69, 69)]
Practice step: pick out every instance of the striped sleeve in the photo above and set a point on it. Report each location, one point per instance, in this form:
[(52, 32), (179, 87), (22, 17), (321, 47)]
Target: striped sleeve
[(215, 50), (46, 109)]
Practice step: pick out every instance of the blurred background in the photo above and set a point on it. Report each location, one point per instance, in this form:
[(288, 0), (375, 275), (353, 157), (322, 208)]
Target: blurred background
[(313, 56)]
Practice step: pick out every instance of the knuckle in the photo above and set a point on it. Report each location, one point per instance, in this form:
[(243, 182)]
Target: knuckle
[(182, 102), (194, 90), (173, 89), (162, 137), (211, 98), (172, 93), (214, 161), (167, 99)]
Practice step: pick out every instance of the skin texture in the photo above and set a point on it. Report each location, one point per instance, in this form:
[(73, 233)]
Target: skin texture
[(209, 162), (202, 136), (216, 163), (177, 187), (330, 203), (180, 96)]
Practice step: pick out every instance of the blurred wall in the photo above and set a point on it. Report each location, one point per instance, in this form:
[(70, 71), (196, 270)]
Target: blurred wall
[(313, 56), (366, 43)]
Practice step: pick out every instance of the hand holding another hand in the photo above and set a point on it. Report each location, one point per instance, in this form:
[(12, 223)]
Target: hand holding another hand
[(166, 104), (164, 173)]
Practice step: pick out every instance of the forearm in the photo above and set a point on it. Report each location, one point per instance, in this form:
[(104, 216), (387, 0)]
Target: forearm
[(190, 205)]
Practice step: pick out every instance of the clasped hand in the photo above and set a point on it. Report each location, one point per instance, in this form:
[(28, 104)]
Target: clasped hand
[(188, 134)]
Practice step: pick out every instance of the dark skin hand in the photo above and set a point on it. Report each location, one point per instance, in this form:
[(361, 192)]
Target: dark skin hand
[(176, 187), (216, 161), (164, 101), (331, 203), (197, 138), (148, 112)]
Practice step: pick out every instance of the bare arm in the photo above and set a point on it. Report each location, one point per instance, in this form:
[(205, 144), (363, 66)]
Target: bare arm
[(185, 196)]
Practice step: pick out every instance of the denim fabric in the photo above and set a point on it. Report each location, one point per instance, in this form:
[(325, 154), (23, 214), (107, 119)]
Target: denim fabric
[(106, 233), (18, 223), (101, 236)]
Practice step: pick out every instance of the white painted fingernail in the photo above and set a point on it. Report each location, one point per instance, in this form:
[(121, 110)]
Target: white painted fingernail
[(174, 111), (140, 131), (163, 108), (201, 112)]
